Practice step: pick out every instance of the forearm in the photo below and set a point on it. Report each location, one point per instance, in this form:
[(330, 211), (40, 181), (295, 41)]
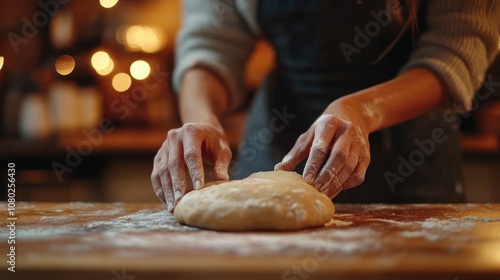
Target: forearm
[(415, 92), (203, 97)]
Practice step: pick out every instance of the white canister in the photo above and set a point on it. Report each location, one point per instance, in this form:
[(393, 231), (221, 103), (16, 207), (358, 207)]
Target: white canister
[(91, 107), (34, 120), (64, 106)]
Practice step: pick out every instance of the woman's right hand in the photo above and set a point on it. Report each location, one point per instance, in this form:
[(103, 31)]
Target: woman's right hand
[(189, 146)]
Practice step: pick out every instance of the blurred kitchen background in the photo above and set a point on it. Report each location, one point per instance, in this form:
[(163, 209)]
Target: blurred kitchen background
[(86, 100)]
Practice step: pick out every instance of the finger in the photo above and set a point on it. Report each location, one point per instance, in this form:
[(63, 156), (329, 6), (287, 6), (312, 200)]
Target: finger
[(194, 160), (166, 181), (155, 180), (168, 190), (350, 164), (329, 179), (340, 151), (320, 148), (176, 168), (222, 156), (358, 175), (332, 192), (297, 154), (328, 187)]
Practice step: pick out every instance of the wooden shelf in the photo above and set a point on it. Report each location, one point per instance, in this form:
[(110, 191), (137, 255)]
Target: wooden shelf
[(488, 117), (119, 141), (481, 143)]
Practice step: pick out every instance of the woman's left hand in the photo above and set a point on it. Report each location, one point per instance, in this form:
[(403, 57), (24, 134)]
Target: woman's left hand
[(337, 151)]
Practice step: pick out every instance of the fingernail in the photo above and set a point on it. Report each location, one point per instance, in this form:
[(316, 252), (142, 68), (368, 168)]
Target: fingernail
[(309, 178), (197, 185), (277, 166)]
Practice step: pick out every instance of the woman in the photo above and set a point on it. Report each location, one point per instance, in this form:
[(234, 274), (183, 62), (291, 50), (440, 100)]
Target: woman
[(366, 81)]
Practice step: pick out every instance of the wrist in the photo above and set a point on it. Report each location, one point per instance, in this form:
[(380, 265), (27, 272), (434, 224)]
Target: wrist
[(210, 119), (203, 92), (355, 112)]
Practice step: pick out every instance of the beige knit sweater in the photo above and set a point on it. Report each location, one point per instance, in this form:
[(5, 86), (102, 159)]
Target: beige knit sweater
[(461, 42)]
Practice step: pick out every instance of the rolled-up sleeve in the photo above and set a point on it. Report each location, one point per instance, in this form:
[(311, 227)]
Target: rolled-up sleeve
[(461, 41), (214, 36)]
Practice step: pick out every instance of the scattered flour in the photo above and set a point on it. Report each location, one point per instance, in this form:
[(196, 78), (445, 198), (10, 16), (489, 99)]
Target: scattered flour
[(398, 223), (450, 225), (481, 219), (40, 232), (84, 214), (337, 223), (142, 221), (433, 229), (344, 215), (146, 229), (56, 219), (429, 236), (245, 244), (354, 233), (320, 145), (70, 226)]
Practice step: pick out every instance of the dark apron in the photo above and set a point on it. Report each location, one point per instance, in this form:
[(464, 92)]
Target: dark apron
[(312, 71)]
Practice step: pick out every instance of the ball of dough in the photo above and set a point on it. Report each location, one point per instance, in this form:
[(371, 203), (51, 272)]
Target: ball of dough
[(273, 200)]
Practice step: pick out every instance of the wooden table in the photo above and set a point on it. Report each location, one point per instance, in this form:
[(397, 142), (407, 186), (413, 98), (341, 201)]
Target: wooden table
[(143, 241)]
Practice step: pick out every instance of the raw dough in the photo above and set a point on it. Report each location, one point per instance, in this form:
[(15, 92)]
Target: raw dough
[(273, 200)]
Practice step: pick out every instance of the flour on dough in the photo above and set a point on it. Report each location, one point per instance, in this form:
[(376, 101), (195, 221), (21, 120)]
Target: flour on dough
[(273, 200)]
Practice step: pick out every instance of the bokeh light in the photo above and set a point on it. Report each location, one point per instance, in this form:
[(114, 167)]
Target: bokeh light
[(143, 38), (1, 62), (121, 82), (107, 70), (140, 69), (102, 62), (134, 36), (65, 64), (108, 3)]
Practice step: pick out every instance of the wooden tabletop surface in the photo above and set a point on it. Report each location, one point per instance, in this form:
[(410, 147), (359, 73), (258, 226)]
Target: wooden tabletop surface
[(143, 241)]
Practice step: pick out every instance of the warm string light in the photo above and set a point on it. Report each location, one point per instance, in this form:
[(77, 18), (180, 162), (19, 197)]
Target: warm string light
[(121, 82), (65, 64), (142, 38), (108, 3), (140, 69), (108, 69), (102, 63)]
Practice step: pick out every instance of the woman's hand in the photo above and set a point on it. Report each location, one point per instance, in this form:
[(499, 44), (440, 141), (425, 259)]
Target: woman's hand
[(189, 146), (337, 151), (337, 143)]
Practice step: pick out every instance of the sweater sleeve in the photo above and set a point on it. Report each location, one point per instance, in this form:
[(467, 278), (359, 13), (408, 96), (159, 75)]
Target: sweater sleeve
[(461, 42), (214, 36)]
